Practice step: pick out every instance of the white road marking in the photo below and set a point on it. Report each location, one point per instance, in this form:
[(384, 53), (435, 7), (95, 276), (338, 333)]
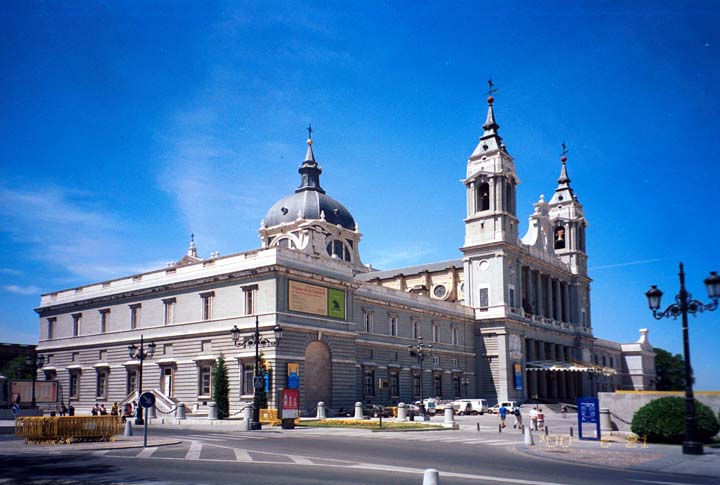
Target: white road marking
[(301, 460), (101, 452), (242, 455), (194, 451), (147, 452), (662, 483)]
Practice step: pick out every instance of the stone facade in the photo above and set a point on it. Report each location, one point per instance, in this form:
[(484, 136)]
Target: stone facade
[(509, 319)]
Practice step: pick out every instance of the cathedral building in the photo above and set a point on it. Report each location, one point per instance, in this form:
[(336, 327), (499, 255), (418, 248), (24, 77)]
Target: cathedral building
[(508, 319)]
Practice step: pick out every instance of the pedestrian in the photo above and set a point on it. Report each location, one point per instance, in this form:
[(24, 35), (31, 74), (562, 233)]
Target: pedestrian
[(563, 410), (518, 417), (533, 418), (103, 411), (540, 419), (71, 409), (114, 410), (63, 409), (503, 413), (95, 410)]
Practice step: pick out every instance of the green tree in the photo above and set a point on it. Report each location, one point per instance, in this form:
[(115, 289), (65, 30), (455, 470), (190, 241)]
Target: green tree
[(669, 371), (17, 368), (220, 388), (262, 394)]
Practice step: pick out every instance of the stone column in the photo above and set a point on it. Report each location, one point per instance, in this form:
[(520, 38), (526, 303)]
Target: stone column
[(402, 412)]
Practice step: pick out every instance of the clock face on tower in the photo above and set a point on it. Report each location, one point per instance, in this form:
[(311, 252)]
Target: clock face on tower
[(440, 291)]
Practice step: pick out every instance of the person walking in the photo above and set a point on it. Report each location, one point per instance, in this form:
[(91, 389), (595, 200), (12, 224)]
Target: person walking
[(563, 410), (533, 418), (540, 419), (114, 410), (71, 409), (63, 409), (518, 417), (103, 411), (503, 413)]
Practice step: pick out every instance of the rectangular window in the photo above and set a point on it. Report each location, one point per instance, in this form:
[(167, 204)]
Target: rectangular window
[(101, 387), (393, 325), (437, 385), (369, 387), (135, 316), (415, 329), (169, 311), (416, 384), (248, 374), (511, 296), (132, 380), (74, 384), (368, 321), (204, 373), (434, 333), (250, 297), (456, 386), (436, 360), (102, 355), (455, 362), (75, 357), (51, 328), (484, 301), (104, 320), (394, 384), (77, 317), (207, 305), (454, 334)]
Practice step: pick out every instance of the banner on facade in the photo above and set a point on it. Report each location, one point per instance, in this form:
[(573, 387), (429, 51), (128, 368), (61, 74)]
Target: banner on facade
[(293, 381), (45, 391), (316, 300), (518, 376)]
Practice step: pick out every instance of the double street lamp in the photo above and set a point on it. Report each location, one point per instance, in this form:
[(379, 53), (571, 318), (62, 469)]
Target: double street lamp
[(683, 305), (257, 341), (141, 353), (36, 362), (421, 350)]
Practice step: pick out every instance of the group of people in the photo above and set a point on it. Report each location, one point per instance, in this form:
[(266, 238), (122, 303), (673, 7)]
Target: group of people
[(536, 415), (64, 410)]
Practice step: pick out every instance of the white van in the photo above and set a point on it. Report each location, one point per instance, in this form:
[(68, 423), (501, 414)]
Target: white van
[(470, 406), (509, 405)]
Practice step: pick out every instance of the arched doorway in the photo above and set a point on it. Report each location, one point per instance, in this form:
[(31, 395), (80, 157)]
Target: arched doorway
[(318, 375)]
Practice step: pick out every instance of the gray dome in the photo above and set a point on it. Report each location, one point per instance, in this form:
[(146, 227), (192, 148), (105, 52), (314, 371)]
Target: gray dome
[(310, 203)]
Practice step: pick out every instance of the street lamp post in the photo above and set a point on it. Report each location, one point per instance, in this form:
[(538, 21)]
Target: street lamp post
[(141, 353), (257, 341), (683, 305), (36, 361), (420, 350)]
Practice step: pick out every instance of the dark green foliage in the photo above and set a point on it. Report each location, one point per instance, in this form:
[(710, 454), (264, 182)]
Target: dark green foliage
[(262, 394), (663, 421), (220, 388), (17, 368), (669, 371)]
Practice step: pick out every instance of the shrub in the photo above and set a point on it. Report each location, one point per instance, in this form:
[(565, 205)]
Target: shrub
[(663, 421)]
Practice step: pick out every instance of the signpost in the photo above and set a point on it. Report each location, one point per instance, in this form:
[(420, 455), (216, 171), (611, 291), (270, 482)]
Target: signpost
[(290, 400), (146, 400), (588, 412)]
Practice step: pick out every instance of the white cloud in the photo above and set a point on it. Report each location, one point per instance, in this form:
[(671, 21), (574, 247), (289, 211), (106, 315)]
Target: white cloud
[(22, 290)]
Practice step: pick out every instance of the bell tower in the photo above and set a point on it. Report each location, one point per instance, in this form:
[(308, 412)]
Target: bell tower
[(568, 222), (490, 184)]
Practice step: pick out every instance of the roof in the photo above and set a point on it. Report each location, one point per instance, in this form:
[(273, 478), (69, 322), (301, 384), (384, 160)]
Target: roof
[(410, 270)]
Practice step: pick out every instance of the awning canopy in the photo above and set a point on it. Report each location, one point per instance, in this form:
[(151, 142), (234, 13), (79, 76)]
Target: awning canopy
[(553, 365)]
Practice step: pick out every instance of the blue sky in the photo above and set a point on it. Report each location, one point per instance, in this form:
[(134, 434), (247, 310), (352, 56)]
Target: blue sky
[(125, 126)]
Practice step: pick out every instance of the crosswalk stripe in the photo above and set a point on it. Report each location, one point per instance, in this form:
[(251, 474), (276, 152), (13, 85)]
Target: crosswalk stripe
[(194, 452), (242, 455), (101, 452), (301, 460), (147, 452), (501, 443)]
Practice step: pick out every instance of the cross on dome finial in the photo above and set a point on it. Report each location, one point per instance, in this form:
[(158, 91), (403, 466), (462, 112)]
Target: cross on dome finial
[(491, 90), (563, 157), (309, 130)]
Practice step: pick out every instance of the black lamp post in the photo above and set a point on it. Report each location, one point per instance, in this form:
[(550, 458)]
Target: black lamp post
[(36, 361), (257, 341), (683, 305), (420, 350), (141, 353)]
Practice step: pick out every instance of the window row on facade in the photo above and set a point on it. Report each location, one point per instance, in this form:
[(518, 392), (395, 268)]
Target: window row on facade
[(392, 328), (390, 385), (169, 311)]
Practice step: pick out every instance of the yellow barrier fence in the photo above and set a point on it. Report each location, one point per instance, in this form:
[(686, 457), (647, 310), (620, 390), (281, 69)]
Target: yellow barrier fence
[(269, 416), (67, 429)]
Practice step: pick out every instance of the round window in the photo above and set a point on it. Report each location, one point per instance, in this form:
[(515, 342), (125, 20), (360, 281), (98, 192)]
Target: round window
[(440, 291)]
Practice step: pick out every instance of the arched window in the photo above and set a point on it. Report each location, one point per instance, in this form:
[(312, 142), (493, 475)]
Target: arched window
[(483, 197), (337, 249), (510, 197), (284, 243), (560, 237)]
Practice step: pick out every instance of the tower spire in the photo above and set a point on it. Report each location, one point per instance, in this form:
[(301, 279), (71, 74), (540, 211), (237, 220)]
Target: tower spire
[(490, 141), (192, 250), (564, 180), (309, 170)]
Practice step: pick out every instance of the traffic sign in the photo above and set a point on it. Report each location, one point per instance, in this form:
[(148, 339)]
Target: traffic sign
[(257, 382), (147, 399), (15, 409)]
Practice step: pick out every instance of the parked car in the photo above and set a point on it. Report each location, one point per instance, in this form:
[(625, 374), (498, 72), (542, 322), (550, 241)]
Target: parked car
[(376, 410), (509, 405), (470, 406)]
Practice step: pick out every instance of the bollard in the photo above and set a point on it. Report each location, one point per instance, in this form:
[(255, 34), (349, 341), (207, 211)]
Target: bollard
[(320, 410), (358, 411), (431, 477), (571, 431), (402, 412), (247, 418), (499, 428), (449, 415), (529, 437), (546, 430), (128, 428), (478, 426), (180, 411), (212, 410)]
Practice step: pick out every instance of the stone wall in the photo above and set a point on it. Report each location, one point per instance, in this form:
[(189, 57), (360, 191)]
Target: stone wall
[(624, 404)]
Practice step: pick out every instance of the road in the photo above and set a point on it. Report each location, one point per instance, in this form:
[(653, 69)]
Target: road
[(315, 456)]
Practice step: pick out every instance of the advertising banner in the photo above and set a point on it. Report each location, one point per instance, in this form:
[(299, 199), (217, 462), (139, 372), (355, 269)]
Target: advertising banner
[(316, 300), (290, 403), (518, 376), (45, 391), (293, 375)]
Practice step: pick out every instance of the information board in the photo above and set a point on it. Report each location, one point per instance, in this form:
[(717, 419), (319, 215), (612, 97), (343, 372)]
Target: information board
[(316, 299), (290, 403), (588, 413)]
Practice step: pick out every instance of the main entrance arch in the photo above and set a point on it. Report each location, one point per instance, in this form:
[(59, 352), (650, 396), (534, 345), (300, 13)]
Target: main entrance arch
[(318, 375)]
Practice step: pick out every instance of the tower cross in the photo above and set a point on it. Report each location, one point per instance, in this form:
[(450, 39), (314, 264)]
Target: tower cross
[(564, 149), (491, 88), (309, 130)]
